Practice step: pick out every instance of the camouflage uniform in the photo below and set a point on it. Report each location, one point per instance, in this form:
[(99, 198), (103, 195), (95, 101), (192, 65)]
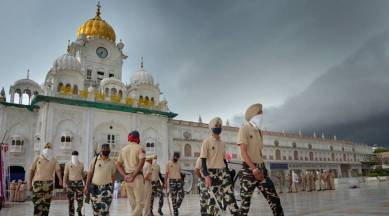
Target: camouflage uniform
[(207, 202), (248, 185), (41, 197), (157, 192), (101, 199), (221, 188), (177, 192), (75, 188)]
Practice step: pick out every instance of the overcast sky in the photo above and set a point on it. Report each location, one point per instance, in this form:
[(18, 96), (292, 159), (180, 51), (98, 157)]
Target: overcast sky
[(211, 58)]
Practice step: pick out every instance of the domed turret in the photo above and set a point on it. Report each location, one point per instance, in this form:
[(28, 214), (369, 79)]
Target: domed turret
[(96, 28), (142, 77), (67, 62)]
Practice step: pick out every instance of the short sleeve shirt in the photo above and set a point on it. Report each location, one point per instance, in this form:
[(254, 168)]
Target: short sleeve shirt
[(214, 151), (104, 169), (74, 172), (146, 168), (252, 137), (155, 170), (174, 170), (130, 156), (44, 169)]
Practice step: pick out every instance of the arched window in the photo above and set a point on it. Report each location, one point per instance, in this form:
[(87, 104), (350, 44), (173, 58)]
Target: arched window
[(309, 146), (295, 155), (66, 140), (278, 154), (113, 91), (120, 93), (75, 90), (188, 150), (311, 156), (106, 91), (355, 158), (150, 147), (26, 97), (333, 156), (59, 87), (68, 86), (331, 148), (294, 145), (344, 157), (276, 143)]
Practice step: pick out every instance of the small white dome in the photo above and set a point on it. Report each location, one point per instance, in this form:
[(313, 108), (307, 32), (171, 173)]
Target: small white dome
[(67, 62), (26, 82), (142, 77)]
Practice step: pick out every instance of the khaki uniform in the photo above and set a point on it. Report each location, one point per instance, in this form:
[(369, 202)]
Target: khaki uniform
[(74, 173), (147, 211), (214, 152), (102, 180), (176, 184), (252, 137), (156, 186), (130, 156), (43, 184)]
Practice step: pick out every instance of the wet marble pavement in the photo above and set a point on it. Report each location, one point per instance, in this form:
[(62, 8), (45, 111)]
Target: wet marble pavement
[(370, 199)]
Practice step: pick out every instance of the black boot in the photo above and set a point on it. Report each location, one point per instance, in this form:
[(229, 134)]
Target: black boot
[(160, 212)]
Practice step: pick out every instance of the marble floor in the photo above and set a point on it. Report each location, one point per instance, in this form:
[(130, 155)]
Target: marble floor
[(369, 199)]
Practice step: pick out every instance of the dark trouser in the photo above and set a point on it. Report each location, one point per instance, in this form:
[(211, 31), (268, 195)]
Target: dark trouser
[(75, 189), (157, 192), (177, 192), (222, 189), (41, 197), (248, 183), (101, 199)]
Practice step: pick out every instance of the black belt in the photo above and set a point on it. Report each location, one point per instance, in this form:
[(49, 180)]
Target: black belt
[(217, 170), (139, 173)]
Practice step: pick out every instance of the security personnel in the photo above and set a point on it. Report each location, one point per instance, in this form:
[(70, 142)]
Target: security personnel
[(174, 179), (101, 177), (130, 164), (215, 168), (41, 180), (147, 211), (72, 179), (254, 173), (156, 182)]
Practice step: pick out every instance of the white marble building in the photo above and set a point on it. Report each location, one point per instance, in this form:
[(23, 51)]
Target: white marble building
[(84, 102)]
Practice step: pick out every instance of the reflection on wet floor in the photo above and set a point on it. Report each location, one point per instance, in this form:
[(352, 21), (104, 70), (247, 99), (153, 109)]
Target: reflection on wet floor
[(370, 199)]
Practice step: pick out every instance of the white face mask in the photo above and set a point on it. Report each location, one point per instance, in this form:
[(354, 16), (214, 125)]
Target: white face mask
[(257, 120), (154, 161), (74, 159), (47, 153)]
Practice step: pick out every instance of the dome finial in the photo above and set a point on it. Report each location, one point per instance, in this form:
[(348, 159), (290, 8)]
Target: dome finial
[(28, 73), (98, 9), (141, 62)]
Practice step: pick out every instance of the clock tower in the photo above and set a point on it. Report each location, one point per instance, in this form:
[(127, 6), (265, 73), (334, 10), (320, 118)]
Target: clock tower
[(96, 48)]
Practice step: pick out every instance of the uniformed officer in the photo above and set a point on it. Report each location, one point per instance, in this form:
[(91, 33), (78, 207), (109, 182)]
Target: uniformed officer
[(215, 169), (254, 173), (303, 182), (41, 180), (130, 164), (147, 211), (332, 180), (176, 184), (156, 182), (207, 202), (101, 177), (72, 179)]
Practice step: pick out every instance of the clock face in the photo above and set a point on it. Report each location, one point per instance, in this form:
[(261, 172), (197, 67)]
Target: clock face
[(102, 52)]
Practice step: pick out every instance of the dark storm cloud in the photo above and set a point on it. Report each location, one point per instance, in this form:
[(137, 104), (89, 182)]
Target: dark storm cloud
[(210, 57)]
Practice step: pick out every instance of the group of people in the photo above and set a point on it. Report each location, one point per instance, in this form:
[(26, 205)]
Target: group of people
[(17, 191), (216, 180), (144, 181), (310, 181)]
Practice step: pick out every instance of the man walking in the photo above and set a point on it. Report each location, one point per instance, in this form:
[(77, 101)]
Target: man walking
[(254, 173), (176, 184), (72, 179)]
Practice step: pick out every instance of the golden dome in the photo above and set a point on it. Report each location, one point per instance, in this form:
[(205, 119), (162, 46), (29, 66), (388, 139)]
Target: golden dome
[(97, 28)]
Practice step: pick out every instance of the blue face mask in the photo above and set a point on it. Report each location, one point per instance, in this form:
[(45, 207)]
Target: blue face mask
[(217, 130)]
